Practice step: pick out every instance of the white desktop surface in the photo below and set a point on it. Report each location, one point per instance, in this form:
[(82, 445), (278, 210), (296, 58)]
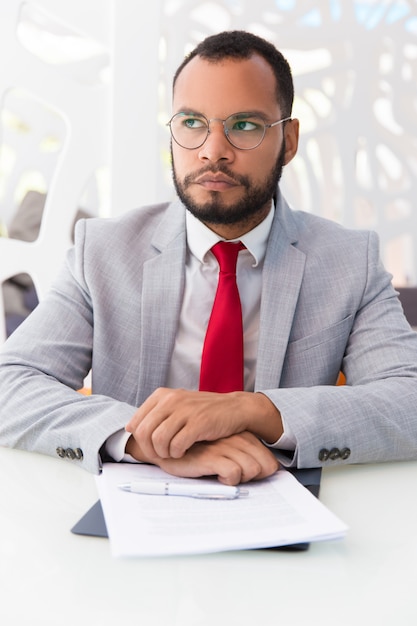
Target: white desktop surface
[(50, 576)]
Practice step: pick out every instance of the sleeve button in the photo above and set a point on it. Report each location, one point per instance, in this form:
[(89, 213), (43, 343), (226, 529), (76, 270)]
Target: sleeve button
[(60, 452), (345, 453), (324, 454), (334, 454), (78, 454)]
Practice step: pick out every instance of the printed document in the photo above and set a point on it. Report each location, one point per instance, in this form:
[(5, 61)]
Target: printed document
[(277, 511)]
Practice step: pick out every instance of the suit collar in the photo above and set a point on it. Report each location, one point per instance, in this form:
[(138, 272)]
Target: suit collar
[(284, 219), (281, 282), (171, 227), (162, 293)]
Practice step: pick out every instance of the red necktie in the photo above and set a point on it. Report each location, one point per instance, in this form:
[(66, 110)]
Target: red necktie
[(222, 358)]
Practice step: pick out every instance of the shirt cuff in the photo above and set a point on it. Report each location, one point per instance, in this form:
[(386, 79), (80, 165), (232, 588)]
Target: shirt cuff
[(116, 447), (287, 441)]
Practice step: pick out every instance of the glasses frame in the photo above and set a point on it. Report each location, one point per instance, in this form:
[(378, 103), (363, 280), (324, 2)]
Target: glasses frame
[(225, 130)]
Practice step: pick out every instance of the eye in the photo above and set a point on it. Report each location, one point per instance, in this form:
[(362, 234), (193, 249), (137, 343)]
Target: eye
[(241, 124), (194, 123), (244, 125)]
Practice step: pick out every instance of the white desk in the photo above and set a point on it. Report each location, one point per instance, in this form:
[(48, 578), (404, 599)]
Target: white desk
[(51, 577)]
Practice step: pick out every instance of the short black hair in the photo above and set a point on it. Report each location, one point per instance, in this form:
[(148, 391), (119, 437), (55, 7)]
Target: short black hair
[(239, 44)]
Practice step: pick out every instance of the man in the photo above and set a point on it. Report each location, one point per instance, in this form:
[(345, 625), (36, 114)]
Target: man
[(133, 304)]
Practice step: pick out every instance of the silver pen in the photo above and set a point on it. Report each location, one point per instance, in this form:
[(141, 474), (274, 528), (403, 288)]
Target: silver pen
[(155, 487)]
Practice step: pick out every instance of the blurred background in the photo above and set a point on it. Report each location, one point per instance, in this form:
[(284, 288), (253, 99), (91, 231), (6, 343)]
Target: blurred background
[(85, 95)]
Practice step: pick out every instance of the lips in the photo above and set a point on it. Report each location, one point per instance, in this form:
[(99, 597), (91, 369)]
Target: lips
[(212, 177), (215, 181)]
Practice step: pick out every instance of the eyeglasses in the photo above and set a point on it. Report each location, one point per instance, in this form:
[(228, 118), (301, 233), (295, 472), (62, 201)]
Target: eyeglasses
[(243, 130)]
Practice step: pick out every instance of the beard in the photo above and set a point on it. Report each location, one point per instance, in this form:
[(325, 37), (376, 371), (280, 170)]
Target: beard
[(214, 211)]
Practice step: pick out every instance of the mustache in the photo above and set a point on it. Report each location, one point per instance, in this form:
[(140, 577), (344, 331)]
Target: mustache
[(216, 169)]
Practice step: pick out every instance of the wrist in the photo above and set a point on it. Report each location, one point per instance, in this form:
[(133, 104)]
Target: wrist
[(264, 418), (135, 451)]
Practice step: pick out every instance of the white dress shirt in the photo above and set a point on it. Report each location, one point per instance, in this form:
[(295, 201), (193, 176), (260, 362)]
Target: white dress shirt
[(201, 277)]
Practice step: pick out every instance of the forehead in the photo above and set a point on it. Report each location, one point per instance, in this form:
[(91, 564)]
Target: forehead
[(220, 88)]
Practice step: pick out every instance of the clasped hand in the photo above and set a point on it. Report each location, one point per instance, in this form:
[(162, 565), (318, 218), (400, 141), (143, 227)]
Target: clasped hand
[(193, 433)]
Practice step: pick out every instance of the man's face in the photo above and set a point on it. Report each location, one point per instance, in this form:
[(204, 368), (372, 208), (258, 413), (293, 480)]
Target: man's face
[(218, 183)]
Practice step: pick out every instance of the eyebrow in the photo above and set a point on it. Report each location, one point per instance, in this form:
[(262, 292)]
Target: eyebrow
[(244, 114), (237, 115), (187, 111)]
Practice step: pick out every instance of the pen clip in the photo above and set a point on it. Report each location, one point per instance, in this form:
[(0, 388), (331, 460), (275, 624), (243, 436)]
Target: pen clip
[(221, 496), (213, 496)]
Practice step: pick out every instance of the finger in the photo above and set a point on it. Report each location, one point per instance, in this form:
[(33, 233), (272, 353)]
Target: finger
[(202, 416), (150, 417), (177, 437), (177, 421), (230, 473), (141, 412), (249, 467), (225, 459), (146, 435), (202, 461), (143, 434), (168, 437), (256, 460)]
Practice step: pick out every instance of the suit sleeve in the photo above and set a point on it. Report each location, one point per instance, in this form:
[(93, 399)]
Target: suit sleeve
[(42, 366), (374, 416)]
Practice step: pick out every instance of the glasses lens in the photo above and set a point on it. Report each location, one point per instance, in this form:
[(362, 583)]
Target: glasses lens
[(189, 130), (245, 131)]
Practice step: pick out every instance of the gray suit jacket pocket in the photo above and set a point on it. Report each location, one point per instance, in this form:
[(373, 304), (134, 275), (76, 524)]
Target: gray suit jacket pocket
[(316, 359)]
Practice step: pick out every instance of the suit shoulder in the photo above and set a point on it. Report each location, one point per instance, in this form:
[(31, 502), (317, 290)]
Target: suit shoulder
[(140, 223), (135, 218), (314, 231)]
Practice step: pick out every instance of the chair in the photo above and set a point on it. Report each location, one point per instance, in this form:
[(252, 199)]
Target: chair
[(408, 299)]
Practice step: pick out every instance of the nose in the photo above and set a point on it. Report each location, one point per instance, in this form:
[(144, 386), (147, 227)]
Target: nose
[(216, 147)]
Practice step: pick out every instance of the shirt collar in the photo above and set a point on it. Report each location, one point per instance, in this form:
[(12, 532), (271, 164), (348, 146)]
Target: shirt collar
[(201, 239)]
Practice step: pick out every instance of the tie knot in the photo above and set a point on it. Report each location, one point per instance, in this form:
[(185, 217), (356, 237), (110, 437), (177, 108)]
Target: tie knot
[(226, 253)]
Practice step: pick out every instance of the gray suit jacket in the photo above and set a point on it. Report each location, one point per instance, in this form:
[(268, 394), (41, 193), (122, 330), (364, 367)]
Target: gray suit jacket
[(327, 305)]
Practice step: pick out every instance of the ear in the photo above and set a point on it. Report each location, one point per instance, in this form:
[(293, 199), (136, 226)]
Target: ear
[(291, 130)]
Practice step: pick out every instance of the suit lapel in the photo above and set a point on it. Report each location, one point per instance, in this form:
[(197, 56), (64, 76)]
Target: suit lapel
[(281, 281), (162, 292)]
